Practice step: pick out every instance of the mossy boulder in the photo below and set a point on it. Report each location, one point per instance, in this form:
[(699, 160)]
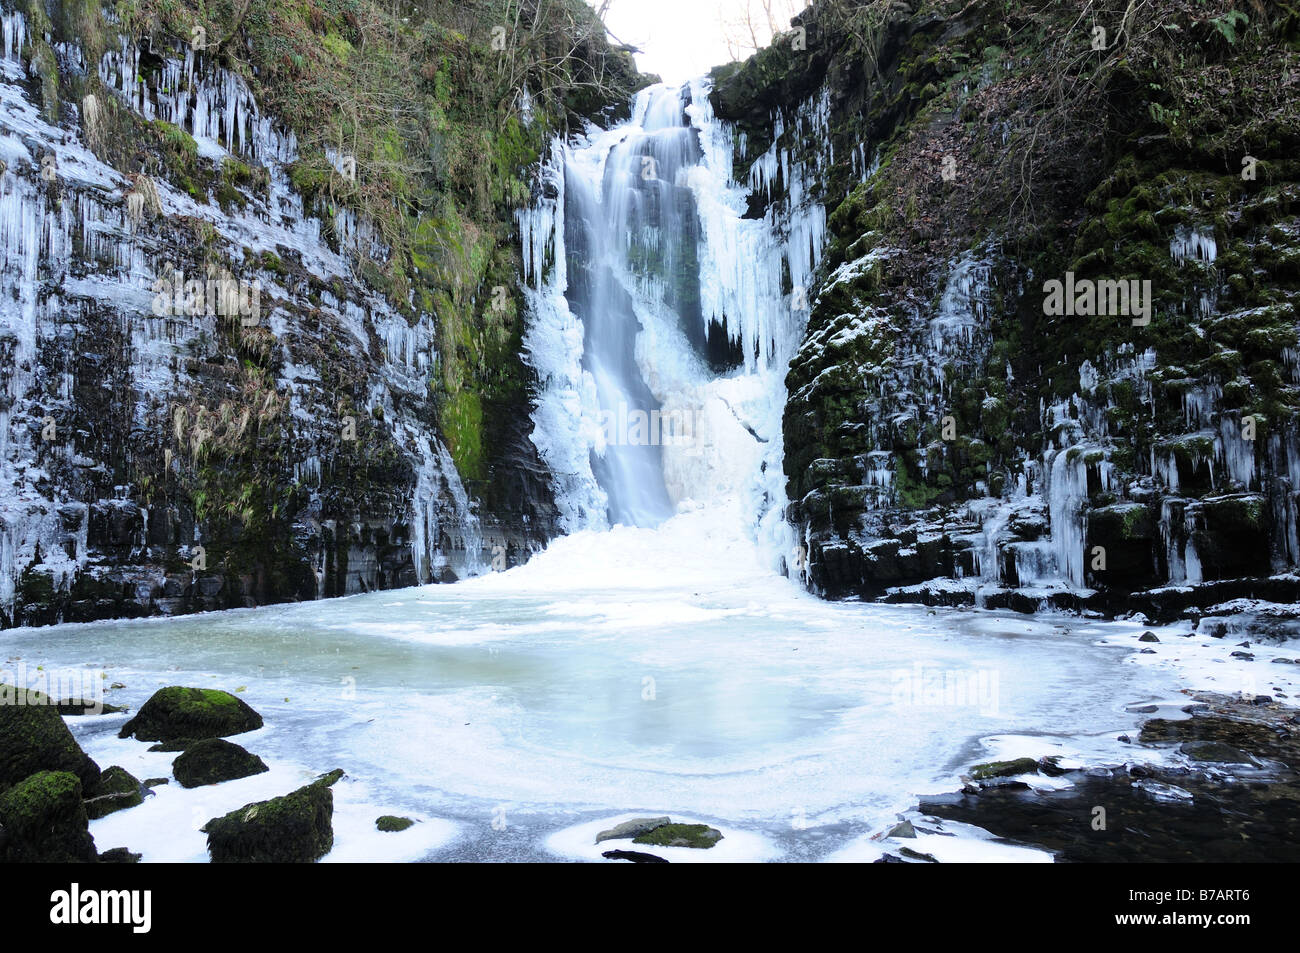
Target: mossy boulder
[(44, 821), (294, 829), (117, 790), (1004, 769), (391, 825), (34, 738), (214, 760), (192, 714), (680, 835)]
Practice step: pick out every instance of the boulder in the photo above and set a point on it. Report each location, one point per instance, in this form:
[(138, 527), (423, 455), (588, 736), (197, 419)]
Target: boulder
[(119, 855), (33, 738), (391, 825), (116, 791), (1004, 769), (632, 828), (214, 760), (680, 835), (636, 856), (84, 706), (192, 714), (294, 829), (44, 821)]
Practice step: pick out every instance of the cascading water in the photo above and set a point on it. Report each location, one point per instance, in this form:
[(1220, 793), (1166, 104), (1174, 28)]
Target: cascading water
[(640, 247)]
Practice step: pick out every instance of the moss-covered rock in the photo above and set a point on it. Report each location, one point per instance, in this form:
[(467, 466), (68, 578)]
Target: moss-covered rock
[(294, 829), (117, 790), (44, 821), (391, 825), (681, 835), (193, 714), (34, 738), (1004, 769), (214, 760)]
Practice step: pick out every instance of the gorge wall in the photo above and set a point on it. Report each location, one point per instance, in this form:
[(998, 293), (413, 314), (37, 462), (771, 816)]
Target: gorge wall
[(948, 440), (260, 321)]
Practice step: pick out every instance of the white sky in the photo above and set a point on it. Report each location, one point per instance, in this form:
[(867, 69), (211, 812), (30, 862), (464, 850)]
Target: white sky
[(681, 39)]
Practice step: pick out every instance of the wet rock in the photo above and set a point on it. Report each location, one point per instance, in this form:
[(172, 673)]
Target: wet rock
[(117, 790), (82, 706), (633, 828), (175, 714), (917, 855), (1148, 637), (1215, 751), (155, 782), (119, 855), (294, 829), (1003, 769), (1246, 656), (636, 856), (905, 829), (392, 825), (330, 779), (680, 835), (1051, 766), (45, 821), (213, 761), (33, 738)]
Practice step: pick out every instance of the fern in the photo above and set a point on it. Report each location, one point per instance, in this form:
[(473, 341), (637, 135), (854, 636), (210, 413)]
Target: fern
[(1228, 23)]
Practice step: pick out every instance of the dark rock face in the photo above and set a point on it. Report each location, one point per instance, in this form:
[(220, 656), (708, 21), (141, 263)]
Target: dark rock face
[(34, 738), (44, 821), (951, 436), (215, 760), (294, 829), (179, 714)]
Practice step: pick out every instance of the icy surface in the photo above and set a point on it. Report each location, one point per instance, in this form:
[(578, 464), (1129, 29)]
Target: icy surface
[(662, 671)]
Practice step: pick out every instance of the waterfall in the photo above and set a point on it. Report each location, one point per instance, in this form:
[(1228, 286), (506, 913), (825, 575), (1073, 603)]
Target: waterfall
[(658, 322)]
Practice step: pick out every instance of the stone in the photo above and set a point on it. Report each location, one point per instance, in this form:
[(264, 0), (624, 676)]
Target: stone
[(681, 835), (1004, 769), (294, 829), (905, 829), (119, 855), (1216, 752), (82, 706), (213, 761), (635, 856), (116, 791), (392, 825), (33, 738), (45, 821), (176, 713), (633, 828), (1148, 637)]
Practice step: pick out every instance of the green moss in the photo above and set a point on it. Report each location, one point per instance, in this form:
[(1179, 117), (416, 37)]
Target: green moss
[(699, 836), (390, 824)]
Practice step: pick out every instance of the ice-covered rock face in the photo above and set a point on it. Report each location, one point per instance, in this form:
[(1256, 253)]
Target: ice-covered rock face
[(201, 403), (951, 438)]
